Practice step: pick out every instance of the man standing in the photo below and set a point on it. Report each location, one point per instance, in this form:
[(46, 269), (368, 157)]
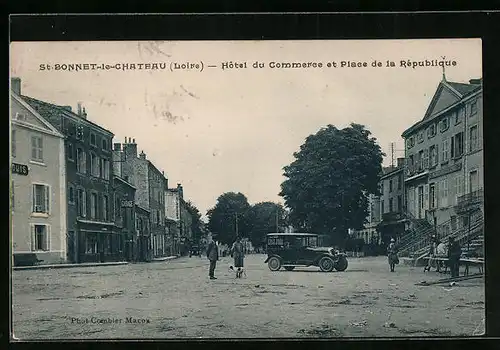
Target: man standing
[(213, 256), (454, 253)]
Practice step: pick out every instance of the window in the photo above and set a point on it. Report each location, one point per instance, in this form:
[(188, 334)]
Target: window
[(40, 238), (41, 199), (382, 187), (390, 185), (91, 243), (426, 159), (420, 164), (105, 144), (37, 148), (71, 194), (82, 202), (71, 152), (473, 138), (79, 133), (433, 154), (457, 145), (443, 190), (104, 168), (105, 208), (81, 165), (400, 181), (420, 137), (93, 139), (94, 165), (473, 181), (431, 131), (432, 195), (458, 115), (410, 142), (93, 205), (400, 204), (446, 151), (118, 212), (391, 207), (459, 186), (444, 125), (13, 143), (382, 206), (473, 107)]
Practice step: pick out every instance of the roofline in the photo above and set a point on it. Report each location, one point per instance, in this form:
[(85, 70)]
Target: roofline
[(124, 181), (71, 114), (154, 166), (424, 122), (53, 130), (391, 173)]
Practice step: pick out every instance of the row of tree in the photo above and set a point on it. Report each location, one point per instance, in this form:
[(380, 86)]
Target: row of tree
[(326, 191)]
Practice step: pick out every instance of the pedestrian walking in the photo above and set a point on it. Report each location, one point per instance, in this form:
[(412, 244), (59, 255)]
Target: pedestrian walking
[(440, 253), (432, 255), (454, 253), (213, 256), (238, 254), (392, 255)]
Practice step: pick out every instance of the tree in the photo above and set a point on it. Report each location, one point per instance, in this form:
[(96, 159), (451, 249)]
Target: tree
[(328, 183), (229, 217), (264, 218), (196, 226)]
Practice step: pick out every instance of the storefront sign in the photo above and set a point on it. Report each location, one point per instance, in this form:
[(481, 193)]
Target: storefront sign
[(127, 204), (20, 169)]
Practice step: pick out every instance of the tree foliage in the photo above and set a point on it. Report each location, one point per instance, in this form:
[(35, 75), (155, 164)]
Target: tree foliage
[(264, 218), (229, 217), (196, 225), (327, 185)]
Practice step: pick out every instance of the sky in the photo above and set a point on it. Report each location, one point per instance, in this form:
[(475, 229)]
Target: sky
[(217, 130)]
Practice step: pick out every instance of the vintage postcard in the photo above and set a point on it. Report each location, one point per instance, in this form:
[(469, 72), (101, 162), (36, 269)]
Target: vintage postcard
[(246, 189)]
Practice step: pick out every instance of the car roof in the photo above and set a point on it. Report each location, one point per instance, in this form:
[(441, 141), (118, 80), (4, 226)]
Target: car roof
[(292, 234)]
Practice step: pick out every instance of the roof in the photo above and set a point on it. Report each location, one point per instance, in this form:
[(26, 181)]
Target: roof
[(447, 95), (37, 115), (124, 181), (60, 109)]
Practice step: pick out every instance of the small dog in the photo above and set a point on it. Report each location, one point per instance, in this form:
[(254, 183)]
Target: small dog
[(240, 271)]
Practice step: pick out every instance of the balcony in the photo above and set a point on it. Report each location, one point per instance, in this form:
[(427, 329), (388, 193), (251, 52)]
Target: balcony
[(470, 201)]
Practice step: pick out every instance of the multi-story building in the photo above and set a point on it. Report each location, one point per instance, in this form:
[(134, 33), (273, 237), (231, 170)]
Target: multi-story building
[(173, 198), (369, 233), (38, 185), (91, 236), (150, 184), (124, 203), (444, 155), (391, 184)]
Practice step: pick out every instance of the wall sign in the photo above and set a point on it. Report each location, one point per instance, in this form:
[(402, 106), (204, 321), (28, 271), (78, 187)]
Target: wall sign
[(20, 169), (127, 204)]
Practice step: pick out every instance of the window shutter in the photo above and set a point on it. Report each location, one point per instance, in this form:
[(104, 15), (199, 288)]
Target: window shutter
[(47, 199), (426, 196), (33, 245), (47, 240), (84, 203), (452, 151), (33, 198)]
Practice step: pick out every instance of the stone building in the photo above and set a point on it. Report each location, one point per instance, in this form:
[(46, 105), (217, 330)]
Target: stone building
[(91, 236), (444, 158), (38, 185), (173, 198), (124, 200), (391, 184), (150, 184)]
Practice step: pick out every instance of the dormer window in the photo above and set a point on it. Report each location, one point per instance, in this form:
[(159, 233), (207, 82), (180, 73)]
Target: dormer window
[(105, 144), (444, 124), (420, 137), (93, 141), (431, 130)]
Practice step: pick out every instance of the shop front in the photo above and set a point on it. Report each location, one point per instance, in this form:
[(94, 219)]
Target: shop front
[(99, 242)]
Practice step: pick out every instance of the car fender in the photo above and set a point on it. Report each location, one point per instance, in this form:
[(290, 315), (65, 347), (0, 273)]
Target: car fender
[(270, 256), (316, 261)]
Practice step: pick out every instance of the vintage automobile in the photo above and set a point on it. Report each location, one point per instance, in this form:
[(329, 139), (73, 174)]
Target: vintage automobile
[(289, 250)]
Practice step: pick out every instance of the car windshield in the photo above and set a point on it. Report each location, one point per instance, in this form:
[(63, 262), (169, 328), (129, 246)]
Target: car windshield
[(293, 241)]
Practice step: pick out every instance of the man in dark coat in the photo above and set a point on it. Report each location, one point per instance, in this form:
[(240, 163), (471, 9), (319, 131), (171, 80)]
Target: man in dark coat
[(454, 253), (213, 256)]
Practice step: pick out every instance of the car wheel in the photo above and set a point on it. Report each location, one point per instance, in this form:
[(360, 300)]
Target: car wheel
[(274, 263), (289, 268), (326, 264), (341, 264)]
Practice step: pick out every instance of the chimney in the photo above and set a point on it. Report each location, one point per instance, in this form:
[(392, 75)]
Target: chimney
[(133, 141), (84, 113), (142, 155), (125, 139), (79, 109), (129, 149), (400, 162), (15, 85), (117, 146), (117, 163), (180, 191)]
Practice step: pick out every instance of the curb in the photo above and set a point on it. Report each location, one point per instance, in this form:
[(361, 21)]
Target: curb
[(62, 266), (167, 258)]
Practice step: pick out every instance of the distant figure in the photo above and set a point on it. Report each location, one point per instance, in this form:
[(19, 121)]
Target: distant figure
[(213, 256), (454, 253), (238, 253), (392, 255), (432, 255), (440, 253)]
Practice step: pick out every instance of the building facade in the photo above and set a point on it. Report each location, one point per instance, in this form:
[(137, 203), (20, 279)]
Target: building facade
[(443, 154), (392, 187), (38, 184), (124, 205), (150, 184), (172, 217), (90, 226), (369, 233)]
